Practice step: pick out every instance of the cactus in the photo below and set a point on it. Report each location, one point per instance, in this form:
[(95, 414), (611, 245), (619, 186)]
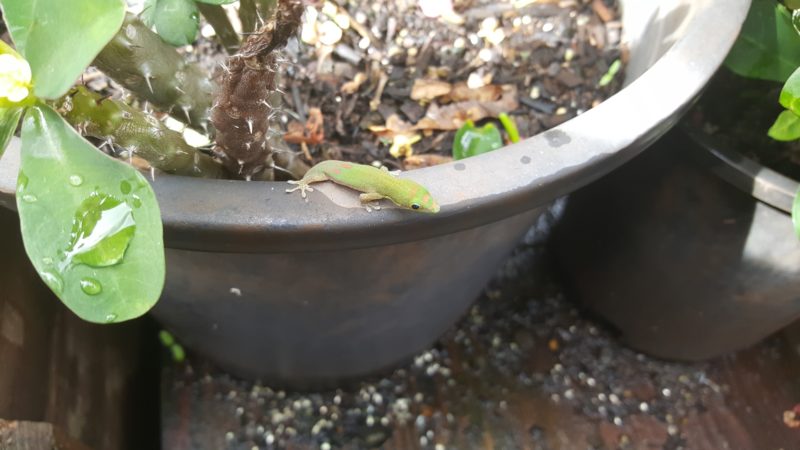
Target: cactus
[(242, 110), (139, 133), (253, 13), (140, 61), (216, 16)]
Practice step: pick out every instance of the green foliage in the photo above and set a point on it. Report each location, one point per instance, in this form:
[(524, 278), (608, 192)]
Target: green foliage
[(90, 224), (216, 2), (510, 126), (768, 46), (471, 140), (608, 77), (60, 38), (786, 127), (176, 21), (9, 118), (790, 94), (175, 349)]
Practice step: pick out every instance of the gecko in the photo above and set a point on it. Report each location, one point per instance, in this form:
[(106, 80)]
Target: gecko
[(373, 183)]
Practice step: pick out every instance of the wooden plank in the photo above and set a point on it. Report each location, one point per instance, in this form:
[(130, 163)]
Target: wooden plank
[(95, 382), (15, 435)]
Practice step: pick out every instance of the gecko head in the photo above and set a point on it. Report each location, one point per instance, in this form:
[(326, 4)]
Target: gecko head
[(419, 199)]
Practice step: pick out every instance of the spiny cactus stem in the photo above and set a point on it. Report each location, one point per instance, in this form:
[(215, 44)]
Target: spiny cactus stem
[(137, 132), (218, 19)]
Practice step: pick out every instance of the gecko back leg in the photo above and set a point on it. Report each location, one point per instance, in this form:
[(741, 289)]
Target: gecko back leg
[(304, 184)]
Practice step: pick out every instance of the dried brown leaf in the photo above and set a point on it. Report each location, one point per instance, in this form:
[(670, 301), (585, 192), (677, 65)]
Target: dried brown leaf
[(312, 133), (452, 116), (428, 89), (351, 87), (488, 93), (394, 126)]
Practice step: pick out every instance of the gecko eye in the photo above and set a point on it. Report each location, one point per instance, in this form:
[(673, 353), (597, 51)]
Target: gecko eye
[(414, 206)]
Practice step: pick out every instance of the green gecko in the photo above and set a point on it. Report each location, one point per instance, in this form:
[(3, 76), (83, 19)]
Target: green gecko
[(375, 184)]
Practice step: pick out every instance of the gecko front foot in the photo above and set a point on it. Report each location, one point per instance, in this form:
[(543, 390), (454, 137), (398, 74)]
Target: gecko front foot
[(301, 186), (370, 206)]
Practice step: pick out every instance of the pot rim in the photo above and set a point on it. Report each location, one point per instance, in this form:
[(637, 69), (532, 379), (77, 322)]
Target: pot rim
[(237, 216), (766, 185)]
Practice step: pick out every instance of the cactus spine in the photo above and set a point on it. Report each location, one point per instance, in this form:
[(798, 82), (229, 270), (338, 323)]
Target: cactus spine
[(242, 110), (140, 61), (139, 133)]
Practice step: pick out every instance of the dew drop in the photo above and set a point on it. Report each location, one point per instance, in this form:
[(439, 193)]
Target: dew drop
[(102, 228), (137, 202), (47, 260), (125, 187), (75, 180), (22, 181), (53, 281), (91, 286), (111, 317), (29, 198)]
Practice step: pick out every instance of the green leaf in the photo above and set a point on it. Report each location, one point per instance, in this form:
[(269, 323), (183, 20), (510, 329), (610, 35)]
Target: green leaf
[(471, 141), (790, 94), (796, 214), (786, 127), (768, 46), (217, 2), (9, 118), (60, 38), (176, 21), (90, 224)]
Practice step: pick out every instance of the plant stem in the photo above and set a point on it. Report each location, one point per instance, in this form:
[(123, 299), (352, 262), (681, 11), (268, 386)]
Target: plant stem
[(218, 19), (139, 133), (254, 13), (140, 61), (243, 110)]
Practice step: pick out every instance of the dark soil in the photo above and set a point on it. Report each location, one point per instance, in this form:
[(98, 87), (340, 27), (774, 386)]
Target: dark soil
[(554, 52), (738, 111)]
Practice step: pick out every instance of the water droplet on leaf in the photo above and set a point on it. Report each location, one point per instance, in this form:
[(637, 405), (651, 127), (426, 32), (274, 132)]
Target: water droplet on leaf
[(91, 286), (125, 187), (47, 260), (53, 281), (111, 317), (102, 229), (22, 181), (75, 180), (137, 202), (29, 198)]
